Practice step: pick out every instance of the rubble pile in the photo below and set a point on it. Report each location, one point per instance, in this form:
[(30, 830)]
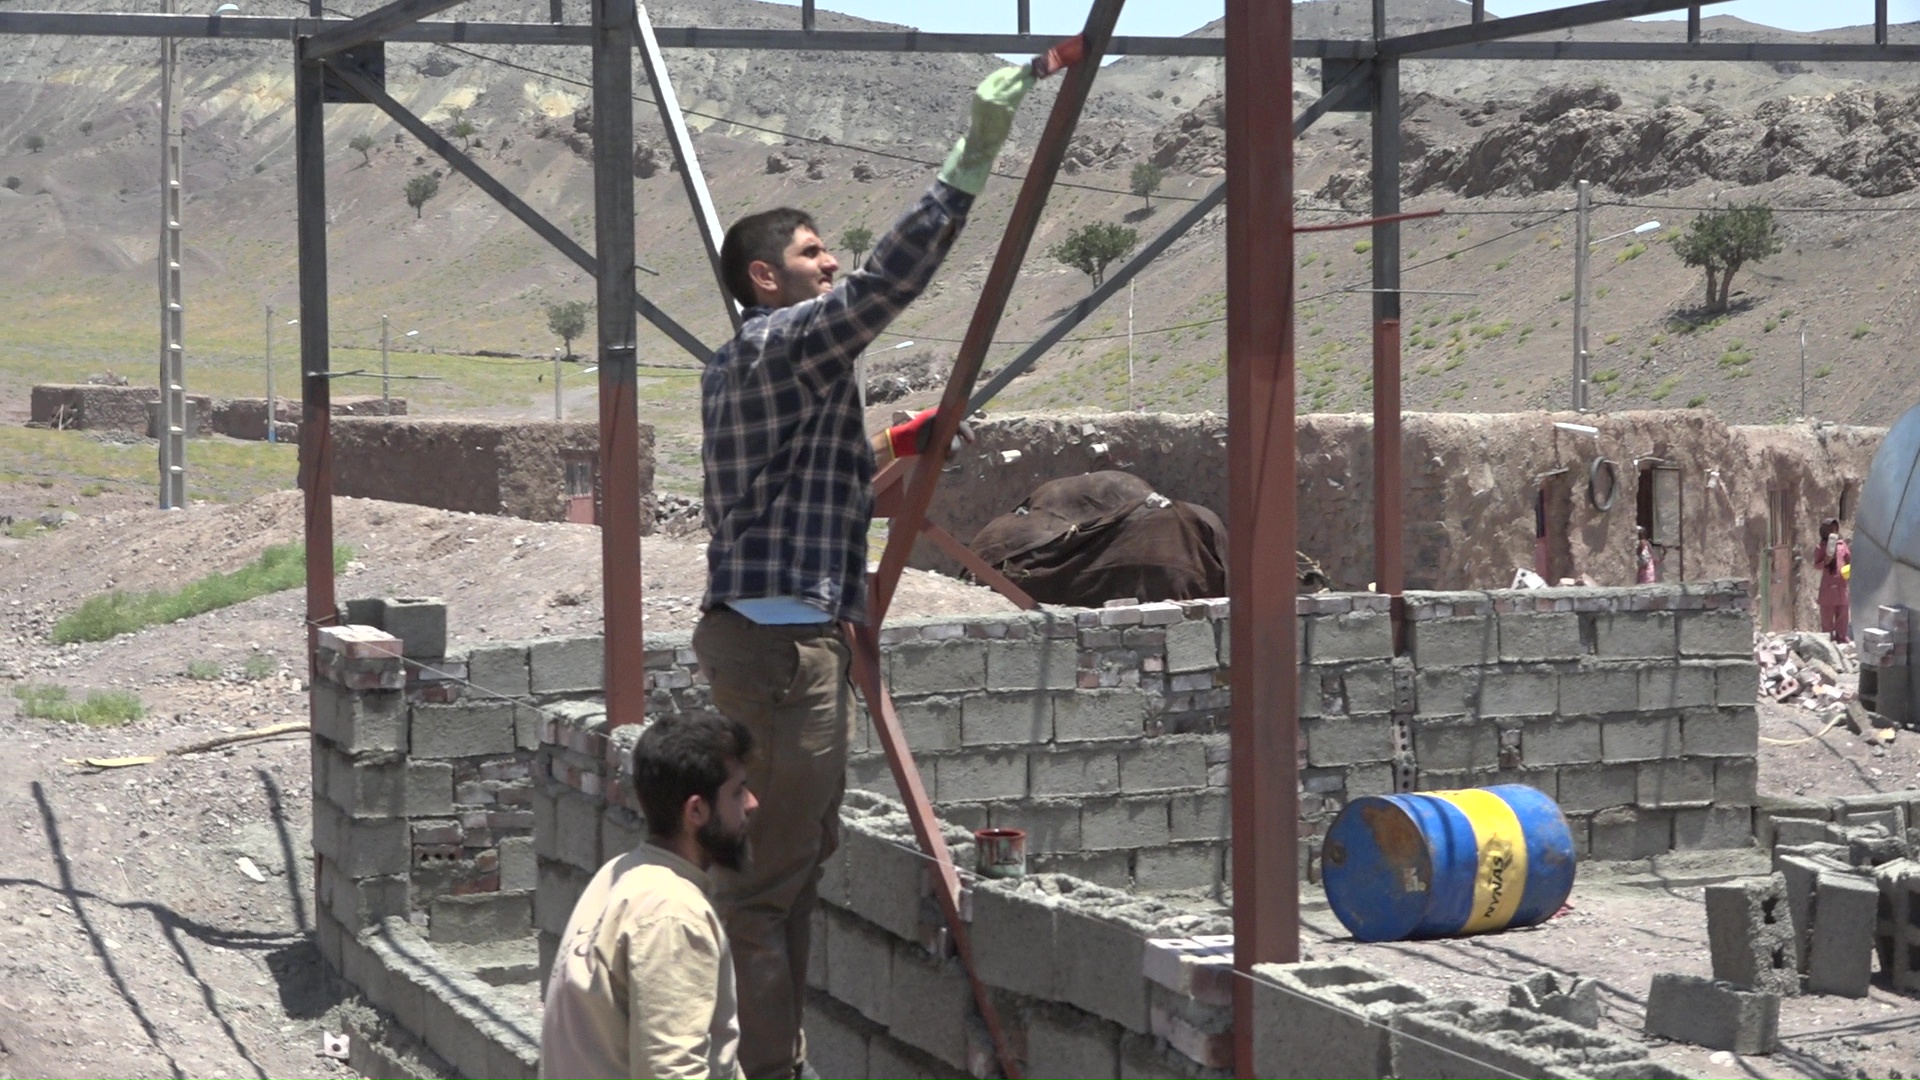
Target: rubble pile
[(1805, 669)]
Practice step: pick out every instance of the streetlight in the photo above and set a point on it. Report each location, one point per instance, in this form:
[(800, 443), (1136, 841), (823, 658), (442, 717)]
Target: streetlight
[(271, 436), (1580, 248)]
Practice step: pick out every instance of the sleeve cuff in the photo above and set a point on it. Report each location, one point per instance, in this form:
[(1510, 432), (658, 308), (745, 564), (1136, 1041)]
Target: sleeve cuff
[(951, 199)]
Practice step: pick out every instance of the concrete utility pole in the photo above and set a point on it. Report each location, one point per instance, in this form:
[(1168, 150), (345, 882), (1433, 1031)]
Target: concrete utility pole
[(1580, 229), (557, 358), (386, 384), (270, 433), (172, 425), (1803, 371)]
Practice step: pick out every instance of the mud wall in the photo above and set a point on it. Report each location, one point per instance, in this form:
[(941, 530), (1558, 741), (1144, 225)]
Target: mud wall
[(1471, 485), (517, 469), (246, 418), (91, 407)]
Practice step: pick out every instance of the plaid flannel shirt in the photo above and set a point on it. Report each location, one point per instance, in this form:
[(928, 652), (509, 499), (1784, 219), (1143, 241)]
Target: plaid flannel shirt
[(789, 470)]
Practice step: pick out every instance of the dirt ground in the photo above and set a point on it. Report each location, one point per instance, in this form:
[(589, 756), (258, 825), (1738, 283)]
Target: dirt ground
[(132, 943)]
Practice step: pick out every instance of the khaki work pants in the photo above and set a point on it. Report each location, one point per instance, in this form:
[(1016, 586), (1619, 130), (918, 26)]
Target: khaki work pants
[(788, 685)]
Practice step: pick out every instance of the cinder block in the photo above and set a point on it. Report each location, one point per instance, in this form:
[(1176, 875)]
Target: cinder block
[(1370, 689), (1724, 632), (888, 1056), (359, 902), (1712, 828), (1674, 782), (1775, 813), (1519, 693), (883, 881), (1631, 832), (1635, 635), (836, 1035), (1691, 1009), (500, 670), (559, 890), (420, 622), (361, 848), (368, 787), (1721, 732), (1467, 1039), (931, 723), (1333, 639), (1101, 714), (1840, 952), (1560, 742), (1013, 937), (1540, 635), (500, 916), (1202, 816), (429, 789), (1453, 747), (577, 832), (1190, 647), (360, 721), (1736, 683), (1073, 772), (1586, 788), (1101, 953), (979, 776), (1801, 876), (1639, 738), (1035, 663), (1736, 781), (1751, 934), (1676, 686), (931, 1003), (1596, 691), (1001, 719), (860, 965), (1307, 1025), (481, 728), (1060, 1044), (1577, 1001), (1124, 823), (1468, 642), (1051, 825), (1178, 868), (939, 668), (568, 665), (1348, 740), (519, 867), (1171, 765), (1447, 691)]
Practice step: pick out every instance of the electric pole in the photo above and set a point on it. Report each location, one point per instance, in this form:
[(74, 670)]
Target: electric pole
[(386, 385), (557, 415), (172, 421), (270, 432), (1580, 229)]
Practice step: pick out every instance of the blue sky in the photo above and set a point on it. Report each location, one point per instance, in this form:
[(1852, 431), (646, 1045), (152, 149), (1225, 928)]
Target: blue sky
[(1182, 16)]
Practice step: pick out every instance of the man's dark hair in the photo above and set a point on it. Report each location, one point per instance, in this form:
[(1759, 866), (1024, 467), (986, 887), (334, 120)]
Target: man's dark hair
[(761, 237), (679, 757)]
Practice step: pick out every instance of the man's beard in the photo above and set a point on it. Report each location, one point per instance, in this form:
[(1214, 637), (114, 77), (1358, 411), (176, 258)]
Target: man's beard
[(727, 850)]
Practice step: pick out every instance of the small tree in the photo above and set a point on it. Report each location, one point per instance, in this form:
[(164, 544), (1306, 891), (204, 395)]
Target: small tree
[(35, 144), (363, 142), (86, 127), (419, 189), (1722, 241), (1146, 180), (1091, 247), (568, 320), (464, 130), (857, 240)]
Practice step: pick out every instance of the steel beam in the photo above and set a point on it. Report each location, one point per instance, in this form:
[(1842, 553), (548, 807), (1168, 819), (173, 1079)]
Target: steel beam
[(1879, 22), (1389, 498), (1835, 52), (1021, 225), (316, 391), (1263, 775), (695, 181), (614, 39), (375, 25), (1117, 279), (1601, 11), (514, 205)]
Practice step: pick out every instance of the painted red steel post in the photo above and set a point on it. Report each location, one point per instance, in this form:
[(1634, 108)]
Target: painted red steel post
[(1390, 573), (1263, 774)]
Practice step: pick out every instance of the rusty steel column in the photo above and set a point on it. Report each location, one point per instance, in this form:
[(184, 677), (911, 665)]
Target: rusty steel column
[(1264, 772), (1389, 497), (316, 391), (613, 42)]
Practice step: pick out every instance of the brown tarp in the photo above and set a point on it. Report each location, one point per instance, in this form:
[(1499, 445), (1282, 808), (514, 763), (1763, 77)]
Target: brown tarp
[(1085, 540)]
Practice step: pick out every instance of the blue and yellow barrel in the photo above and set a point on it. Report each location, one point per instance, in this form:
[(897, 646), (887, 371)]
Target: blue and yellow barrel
[(1447, 863)]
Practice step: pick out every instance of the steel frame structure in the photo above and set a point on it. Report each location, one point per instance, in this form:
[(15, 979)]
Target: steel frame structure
[(1258, 189)]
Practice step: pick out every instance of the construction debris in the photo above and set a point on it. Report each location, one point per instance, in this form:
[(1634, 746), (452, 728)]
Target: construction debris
[(1805, 669)]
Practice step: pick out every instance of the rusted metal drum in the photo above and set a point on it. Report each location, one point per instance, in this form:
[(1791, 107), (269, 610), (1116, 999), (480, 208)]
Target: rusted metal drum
[(1447, 863)]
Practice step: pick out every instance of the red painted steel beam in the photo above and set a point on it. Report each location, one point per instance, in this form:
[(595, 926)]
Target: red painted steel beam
[(1264, 719), (1021, 225), (1390, 572)]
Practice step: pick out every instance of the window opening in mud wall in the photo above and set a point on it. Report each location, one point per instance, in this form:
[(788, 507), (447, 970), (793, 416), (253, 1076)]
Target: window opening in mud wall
[(1849, 500), (1552, 527), (1658, 509)]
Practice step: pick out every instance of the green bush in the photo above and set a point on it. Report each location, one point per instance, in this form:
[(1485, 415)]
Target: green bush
[(203, 670), (280, 567), (100, 709), (259, 666)]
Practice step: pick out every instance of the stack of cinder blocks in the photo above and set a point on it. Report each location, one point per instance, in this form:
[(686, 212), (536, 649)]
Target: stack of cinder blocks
[(1847, 874), (1752, 937), (1885, 659)]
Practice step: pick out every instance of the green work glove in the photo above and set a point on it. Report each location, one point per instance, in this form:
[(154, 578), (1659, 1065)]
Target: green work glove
[(993, 104)]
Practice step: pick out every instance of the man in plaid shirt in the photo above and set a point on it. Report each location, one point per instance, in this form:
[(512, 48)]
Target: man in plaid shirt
[(789, 470)]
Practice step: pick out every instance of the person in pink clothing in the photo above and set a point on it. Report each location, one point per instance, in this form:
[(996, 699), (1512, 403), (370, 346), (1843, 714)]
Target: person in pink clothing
[(1646, 564), (1833, 557)]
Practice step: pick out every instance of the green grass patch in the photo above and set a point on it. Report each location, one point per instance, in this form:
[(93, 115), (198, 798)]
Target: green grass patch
[(1629, 253), (100, 708), (280, 567), (1696, 401), (259, 666), (1612, 339), (1665, 387), (203, 670), (1503, 263), (1860, 331), (1361, 247)]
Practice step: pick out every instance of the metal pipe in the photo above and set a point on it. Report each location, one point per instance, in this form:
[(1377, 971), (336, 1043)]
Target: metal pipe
[(613, 46), (316, 391), (806, 16), (1879, 22), (1021, 225), (270, 431), (1264, 725), (695, 181), (1389, 497), (1023, 17), (1581, 226), (1479, 10)]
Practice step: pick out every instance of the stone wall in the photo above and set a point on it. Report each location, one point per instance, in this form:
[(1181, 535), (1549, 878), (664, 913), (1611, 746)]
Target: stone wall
[(246, 418), (90, 407), (512, 468), (1471, 482)]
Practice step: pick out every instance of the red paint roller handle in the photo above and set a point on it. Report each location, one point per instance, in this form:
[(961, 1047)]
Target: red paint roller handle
[(1060, 57)]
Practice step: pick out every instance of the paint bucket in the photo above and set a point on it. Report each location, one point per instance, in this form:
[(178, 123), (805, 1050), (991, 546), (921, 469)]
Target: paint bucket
[(1000, 853), (1447, 863)]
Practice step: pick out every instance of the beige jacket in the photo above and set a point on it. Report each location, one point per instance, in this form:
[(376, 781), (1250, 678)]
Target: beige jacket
[(643, 982)]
